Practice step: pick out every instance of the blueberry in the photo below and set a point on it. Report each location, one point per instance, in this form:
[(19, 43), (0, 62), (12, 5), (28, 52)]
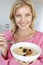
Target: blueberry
[(20, 47), (29, 49), (24, 50), (24, 55)]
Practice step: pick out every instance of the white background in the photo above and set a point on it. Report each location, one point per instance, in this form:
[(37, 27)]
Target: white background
[(5, 6)]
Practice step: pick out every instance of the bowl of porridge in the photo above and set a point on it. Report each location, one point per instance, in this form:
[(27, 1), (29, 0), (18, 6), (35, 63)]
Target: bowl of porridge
[(25, 51)]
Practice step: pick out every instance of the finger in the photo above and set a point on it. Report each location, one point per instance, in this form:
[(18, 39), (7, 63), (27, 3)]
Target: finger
[(2, 37), (3, 44), (35, 60), (1, 34), (27, 63), (3, 40), (24, 63), (15, 59), (20, 62)]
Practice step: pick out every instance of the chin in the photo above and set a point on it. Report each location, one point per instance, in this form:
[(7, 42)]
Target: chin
[(24, 28)]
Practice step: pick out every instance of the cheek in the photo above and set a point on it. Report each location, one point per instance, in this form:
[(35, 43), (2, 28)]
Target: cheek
[(17, 20), (30, 19)]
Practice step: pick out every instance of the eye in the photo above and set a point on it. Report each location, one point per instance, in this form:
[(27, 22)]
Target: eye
[(18, 15), (27, 15)]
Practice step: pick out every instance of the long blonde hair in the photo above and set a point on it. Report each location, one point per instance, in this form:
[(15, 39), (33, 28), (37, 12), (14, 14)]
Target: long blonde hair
[(17, 4)]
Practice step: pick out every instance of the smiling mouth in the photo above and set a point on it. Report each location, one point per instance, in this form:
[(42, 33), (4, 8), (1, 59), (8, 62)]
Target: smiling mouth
[(23, 24)]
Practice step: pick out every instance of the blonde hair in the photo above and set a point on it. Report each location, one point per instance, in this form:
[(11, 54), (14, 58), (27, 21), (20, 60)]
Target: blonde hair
[(17, 4)]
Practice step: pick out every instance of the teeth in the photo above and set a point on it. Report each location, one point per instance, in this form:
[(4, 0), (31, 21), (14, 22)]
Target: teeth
[(23, 24)]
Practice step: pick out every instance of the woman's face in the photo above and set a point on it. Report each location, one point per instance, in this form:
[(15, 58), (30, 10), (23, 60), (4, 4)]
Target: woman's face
[(23, 17)]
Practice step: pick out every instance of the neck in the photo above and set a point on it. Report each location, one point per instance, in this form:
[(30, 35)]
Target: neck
[(22, 32)]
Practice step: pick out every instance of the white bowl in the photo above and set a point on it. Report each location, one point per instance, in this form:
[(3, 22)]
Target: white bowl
[(26, 58)]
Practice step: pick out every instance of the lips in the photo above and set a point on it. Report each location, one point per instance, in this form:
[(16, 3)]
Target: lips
[(22, 24)]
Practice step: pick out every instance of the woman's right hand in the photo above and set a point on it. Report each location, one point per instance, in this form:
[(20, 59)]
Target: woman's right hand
[(3, 45)]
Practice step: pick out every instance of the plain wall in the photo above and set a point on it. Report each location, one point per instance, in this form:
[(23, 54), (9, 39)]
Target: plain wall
[(5, 6)]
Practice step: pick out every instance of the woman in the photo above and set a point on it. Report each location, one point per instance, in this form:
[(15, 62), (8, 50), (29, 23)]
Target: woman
[(22, 17)]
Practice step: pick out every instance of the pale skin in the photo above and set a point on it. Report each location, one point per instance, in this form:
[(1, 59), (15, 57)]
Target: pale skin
[(23, 19)]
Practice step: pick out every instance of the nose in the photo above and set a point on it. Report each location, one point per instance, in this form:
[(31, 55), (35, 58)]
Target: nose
[(23, 19)]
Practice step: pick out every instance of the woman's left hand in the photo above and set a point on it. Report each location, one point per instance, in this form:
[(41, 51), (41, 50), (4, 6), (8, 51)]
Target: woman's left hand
[(22, 63), (25, 63)]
